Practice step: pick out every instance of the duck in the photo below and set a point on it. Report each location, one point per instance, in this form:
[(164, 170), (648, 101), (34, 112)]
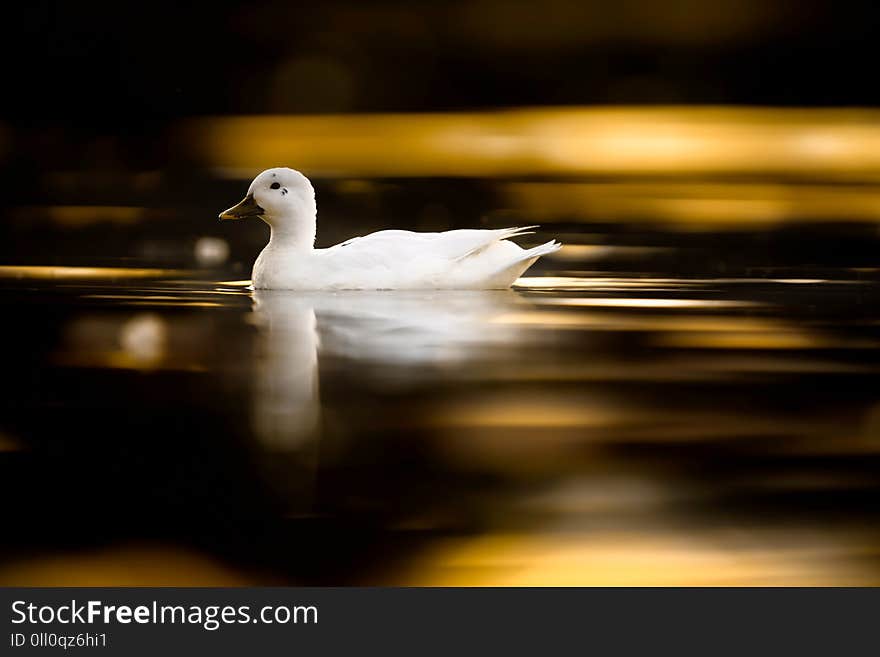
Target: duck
[(464, 259)]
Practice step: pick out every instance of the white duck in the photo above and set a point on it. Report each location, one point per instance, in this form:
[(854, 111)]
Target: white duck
[(389, 259)]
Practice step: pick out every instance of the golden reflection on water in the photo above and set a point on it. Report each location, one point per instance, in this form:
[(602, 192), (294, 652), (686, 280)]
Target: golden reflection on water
[(125, 565), (23, 272), (581, 430), (648, 303), (623, 558), (610, 283)]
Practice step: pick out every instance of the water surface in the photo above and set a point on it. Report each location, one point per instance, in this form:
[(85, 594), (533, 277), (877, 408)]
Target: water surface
[(588, 429)]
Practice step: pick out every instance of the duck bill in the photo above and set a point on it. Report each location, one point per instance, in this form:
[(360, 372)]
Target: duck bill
[(244, 210)]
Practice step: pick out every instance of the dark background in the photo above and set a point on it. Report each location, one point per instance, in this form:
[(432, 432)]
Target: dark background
[(96, 92), (112, 66)]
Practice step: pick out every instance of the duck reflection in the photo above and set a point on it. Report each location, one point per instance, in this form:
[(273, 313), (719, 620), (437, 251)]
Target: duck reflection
[(286, 403), (381, 328)]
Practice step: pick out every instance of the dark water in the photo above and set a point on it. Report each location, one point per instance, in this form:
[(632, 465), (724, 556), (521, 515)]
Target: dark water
[(577, 430)]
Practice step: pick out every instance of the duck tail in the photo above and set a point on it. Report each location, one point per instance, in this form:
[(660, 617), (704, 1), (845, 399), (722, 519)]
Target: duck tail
[(538, 251), (506, 276), (507, 233)]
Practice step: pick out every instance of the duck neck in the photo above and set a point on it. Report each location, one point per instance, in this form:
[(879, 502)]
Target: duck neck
[(296, 233)]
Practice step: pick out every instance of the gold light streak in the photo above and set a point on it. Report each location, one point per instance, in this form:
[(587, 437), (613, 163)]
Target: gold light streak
[(609, 283), (18, 272), (766, 340), (235, 283), (78, 216), (688, 332), (178, 304), (694, 204), (585, 252), (617, 322), (646, 303), (659, 558), (832, 144), (535, 414), (123, 565), (583, 282)]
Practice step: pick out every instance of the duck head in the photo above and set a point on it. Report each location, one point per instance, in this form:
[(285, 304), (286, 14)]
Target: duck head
[(281, 197)]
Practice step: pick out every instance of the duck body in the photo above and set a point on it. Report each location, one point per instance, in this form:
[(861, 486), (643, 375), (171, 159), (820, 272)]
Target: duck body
[(399, 259), (390, 259)]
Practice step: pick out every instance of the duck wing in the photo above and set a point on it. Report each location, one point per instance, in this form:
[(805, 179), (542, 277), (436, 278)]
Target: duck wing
[(449, 245)]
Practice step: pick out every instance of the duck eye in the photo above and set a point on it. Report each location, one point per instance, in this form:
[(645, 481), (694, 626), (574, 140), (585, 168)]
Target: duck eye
[(275, 185)]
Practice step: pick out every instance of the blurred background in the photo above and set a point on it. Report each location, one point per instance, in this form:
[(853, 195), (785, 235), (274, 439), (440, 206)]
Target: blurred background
[(686, 393)]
